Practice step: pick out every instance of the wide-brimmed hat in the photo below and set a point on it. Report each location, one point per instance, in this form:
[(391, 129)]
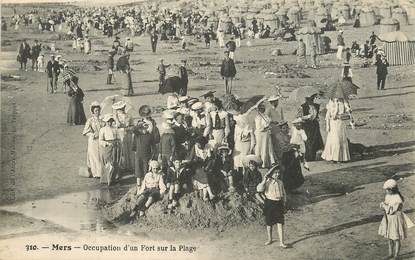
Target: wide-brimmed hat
[(184, 99), (274, 98), (297, 121), (144, 111), (390, 184), (119, 105), (154, 164), (169, 114), (346, 64), (225, 147), (197, 106), (191, 101), (142, 125), (282, 123), (94, 105), (172, 102), (208, 94), (251, 158), (108, 117)]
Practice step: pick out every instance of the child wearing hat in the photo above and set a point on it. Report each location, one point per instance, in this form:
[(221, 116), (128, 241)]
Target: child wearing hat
[(273, 192), (298, 139), (395, 223), (153, 186), (252, 176), (224, 166)]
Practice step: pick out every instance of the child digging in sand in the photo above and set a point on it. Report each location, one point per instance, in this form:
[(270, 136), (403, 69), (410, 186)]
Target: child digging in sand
[(395, 223)]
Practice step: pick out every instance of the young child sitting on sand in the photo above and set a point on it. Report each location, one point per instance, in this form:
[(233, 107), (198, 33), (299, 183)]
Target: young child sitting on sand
[(153, 186), (176, 181), (251, 176), (224, 166)]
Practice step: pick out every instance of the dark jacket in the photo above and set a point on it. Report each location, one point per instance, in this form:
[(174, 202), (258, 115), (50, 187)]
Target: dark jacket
[(52, 68), (382, 67), (228, 68), (183, 74), (110, 62)]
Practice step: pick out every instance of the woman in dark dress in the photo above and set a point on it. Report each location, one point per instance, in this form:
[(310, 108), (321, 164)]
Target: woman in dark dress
[(76, 114), (309, 112)]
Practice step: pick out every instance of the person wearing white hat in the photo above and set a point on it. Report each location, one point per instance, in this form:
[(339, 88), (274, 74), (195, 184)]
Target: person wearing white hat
[(298, 139), (173, 101), (129, 45), (153, 187), (109, 149), (198, 116), (395, 223), (264, 147), (124, 124), (91, 129), (244, 138)]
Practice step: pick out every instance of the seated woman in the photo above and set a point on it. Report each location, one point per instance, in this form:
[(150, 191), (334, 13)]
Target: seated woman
[(224, 169), (153, 186)]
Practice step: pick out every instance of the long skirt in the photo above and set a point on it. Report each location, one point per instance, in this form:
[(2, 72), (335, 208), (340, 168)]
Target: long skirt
[(279, 142), (339, 54), (395, 227), (110, 156), (93, 159), (141, 165), (241, 150), (264, 149), (314, 140), (337, 147), (128, 84), (76, 114), (127, 156), (274, 212), (292, 175)]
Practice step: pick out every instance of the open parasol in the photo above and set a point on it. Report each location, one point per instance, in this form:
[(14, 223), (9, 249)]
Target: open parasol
[(123, 63), (298, 95), (106, 104), (252, 103), (68, 74), (342, 89)]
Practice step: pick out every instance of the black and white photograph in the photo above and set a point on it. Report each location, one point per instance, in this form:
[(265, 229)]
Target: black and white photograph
[(207, 129)]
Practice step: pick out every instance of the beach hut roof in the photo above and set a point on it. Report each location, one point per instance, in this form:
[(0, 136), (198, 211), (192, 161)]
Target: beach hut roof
[(389, 21), (397, 36)]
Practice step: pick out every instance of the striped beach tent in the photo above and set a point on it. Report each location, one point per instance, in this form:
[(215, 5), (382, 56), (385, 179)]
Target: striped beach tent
[(399, 47)]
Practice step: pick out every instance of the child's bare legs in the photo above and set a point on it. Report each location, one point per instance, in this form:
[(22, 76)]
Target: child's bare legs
[(280, 230), (390, 245), (269, 234), (209, 190), (176, 194), (230, 181), (397, 247)]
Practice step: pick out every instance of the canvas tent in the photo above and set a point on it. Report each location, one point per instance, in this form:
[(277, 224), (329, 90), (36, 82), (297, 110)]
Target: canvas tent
[(399, 47)]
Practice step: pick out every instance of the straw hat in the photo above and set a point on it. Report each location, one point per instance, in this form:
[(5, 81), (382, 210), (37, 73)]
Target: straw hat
[(390, 184), (119, 105), (172, 102), (108, 117), (225, 147), (184, 99), (197, 106), (94, 105), (297, 121), (154, 164), (144, 111), (252, 158), (168, 114)]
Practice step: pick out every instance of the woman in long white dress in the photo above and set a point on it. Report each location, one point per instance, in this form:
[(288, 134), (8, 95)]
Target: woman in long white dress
[(244, 141), (91, 129), (337, 147), (263, 148)]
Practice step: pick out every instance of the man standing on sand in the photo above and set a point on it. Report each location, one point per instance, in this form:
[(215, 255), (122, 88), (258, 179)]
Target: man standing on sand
[(154, 38), (52, 70), (228, 72), (23, 54), (184, 78), (340, 45), (36, 49), (231, 46), (110, 65), (381, 71)]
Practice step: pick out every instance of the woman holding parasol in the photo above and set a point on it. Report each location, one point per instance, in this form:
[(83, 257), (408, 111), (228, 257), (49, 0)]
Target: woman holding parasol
[(76, 114)]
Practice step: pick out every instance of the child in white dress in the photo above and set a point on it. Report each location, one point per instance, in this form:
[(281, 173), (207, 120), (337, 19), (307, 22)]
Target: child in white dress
[(395, 223), (298, 139), (40, 63)]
